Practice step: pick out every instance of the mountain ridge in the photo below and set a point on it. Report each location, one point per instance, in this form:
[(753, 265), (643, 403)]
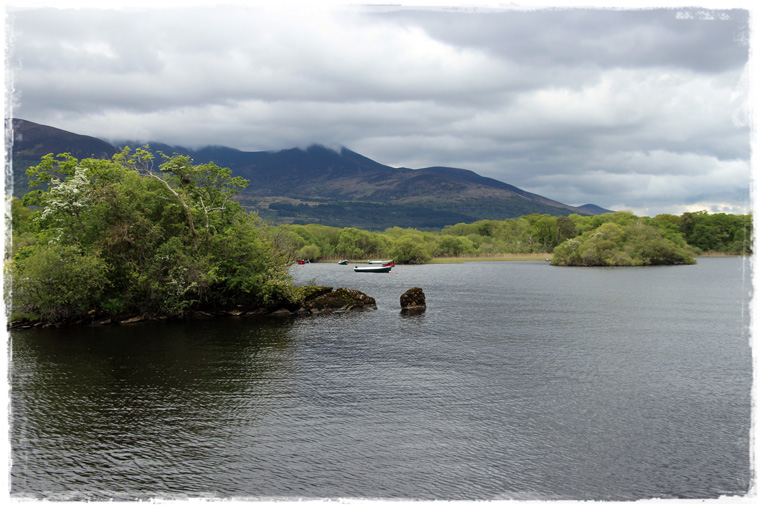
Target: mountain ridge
[(319, 184)]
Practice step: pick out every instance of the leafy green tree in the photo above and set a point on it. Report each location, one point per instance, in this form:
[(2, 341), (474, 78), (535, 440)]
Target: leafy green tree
[(309, 252), (485, 227), (601, 246), (249, 270), (408, 250), (565, 229), (21, 228), (460, 229), (206, 190), (137, 240), (546, 232), (357, 244), (452, 246), (286, 240), (719, 232), (325, 237)]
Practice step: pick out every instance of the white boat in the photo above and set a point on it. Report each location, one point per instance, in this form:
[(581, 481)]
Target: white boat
[(373, 269), (384, 263)]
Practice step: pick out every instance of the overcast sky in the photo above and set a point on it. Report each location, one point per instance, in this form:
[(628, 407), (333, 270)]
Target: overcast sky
[(644, 109)]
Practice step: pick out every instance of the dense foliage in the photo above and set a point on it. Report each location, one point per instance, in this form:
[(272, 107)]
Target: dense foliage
[(637, 240), (632, 244), (113, 238)]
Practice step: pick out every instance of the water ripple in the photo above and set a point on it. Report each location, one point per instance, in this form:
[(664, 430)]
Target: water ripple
[(521, 381)]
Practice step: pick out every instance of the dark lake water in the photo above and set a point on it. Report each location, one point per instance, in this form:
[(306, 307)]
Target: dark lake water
[(520, 381)]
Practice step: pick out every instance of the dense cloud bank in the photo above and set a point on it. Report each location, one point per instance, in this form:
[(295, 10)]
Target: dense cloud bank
[(641, 109)]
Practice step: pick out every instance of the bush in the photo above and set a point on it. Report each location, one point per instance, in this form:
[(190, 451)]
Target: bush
[(57, 282)]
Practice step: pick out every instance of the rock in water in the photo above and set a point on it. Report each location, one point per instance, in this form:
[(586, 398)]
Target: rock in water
[(340, 300), (413, 300)]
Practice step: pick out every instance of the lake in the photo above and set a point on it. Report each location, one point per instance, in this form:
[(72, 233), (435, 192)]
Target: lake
[(520, 381)]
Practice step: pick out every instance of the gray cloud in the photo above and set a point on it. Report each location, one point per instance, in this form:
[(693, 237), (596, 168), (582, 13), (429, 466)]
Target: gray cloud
[(695, 39), (633, 109)]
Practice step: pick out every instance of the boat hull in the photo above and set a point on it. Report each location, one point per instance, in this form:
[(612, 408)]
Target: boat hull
[(372, 269)]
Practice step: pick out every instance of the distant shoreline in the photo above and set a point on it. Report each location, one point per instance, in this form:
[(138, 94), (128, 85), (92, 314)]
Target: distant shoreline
[(494, 258), (459, 260), (510, 257)]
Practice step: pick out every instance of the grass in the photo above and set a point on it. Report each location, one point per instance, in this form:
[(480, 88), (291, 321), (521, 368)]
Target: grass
[(501, 257), (711, 253), (472, 258)]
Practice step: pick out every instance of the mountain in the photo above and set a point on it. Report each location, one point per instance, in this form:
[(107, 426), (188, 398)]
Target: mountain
[(593, 209), (30, 142), (334, 187)]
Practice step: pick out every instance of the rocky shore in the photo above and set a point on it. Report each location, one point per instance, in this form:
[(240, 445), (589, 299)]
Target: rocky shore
[(314, 300)]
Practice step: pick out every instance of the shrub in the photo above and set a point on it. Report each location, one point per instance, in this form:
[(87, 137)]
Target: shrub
[(57, 282)]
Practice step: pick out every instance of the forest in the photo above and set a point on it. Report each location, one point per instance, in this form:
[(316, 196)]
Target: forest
[(103, 239), (619, 238)]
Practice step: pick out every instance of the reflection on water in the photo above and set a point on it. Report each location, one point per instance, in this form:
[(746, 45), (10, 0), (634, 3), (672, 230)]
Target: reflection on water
[(150, 401), (521, 380)]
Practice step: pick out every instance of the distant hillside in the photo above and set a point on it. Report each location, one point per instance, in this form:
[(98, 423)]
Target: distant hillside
[(593, 209), (317, 184), (31, 141)]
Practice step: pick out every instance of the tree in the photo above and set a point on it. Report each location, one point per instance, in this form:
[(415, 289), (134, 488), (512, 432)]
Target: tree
[(450, 246), (545, 232), (565, 229), (357, 244), (718, 232), (209, 188), (407, 250), (139, 241), (22, 235), (309, 252)]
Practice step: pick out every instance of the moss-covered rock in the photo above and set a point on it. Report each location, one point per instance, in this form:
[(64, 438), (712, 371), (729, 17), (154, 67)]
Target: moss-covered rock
[(340, 300), (308, 292)]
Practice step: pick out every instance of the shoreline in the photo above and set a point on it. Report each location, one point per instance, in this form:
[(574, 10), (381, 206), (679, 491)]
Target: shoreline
[(456, 260), (314, 300), (516, 257)]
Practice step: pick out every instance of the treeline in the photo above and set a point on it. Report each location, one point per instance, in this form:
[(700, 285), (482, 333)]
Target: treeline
[(107, 239), (664, 238)]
